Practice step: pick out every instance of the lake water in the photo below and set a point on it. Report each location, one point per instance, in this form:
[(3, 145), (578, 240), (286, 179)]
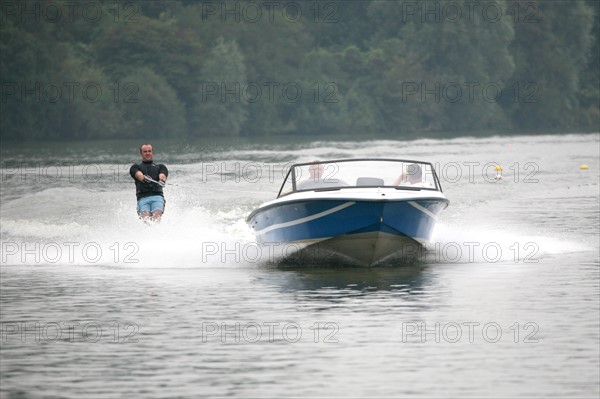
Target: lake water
[(505, 302)]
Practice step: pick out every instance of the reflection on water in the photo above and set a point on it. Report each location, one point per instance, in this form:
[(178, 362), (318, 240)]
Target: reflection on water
[(409, 279)]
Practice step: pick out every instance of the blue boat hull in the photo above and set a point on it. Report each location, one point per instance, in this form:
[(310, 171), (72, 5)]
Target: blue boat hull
[(365, 231)]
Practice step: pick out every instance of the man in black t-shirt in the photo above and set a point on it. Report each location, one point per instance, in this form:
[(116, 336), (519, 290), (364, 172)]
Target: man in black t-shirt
[(149, 182)]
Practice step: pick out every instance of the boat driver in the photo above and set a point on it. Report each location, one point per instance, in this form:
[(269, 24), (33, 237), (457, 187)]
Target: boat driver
[(316, 179), (149, 182)]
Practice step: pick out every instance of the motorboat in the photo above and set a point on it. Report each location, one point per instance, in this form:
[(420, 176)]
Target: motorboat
[(362, 211)]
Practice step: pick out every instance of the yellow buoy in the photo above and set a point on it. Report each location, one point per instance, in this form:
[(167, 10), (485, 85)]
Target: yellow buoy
[(582, 167), (498, 168)]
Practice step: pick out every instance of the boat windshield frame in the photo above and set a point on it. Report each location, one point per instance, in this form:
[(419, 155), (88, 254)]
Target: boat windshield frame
[(291, 174)]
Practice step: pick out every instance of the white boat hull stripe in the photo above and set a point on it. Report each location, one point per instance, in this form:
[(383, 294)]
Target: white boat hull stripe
[(423, 209), (305, 219)]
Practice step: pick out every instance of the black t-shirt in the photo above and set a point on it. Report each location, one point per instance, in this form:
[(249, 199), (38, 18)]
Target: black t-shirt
[(149, 168)]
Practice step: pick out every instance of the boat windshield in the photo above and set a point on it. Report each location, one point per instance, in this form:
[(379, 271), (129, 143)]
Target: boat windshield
[(342, 174)]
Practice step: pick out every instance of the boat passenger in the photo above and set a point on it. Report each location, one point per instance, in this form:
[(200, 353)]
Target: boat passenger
[(413, 177)]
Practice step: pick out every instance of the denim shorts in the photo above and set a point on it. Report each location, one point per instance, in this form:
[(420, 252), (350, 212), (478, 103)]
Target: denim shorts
[(151, 203)]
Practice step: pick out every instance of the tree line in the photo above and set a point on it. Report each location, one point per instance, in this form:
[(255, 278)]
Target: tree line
[(74, 69)]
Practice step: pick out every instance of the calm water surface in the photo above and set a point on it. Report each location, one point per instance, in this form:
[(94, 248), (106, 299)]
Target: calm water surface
[(505, 302)]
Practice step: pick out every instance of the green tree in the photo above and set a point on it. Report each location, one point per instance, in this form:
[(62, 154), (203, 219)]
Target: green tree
[(51, 90), (150, 106), (273, 51), (21, 65), (159, 44), (551, 53), (439, 59), (589, 89), (90, 112), (336, 25), (373, 67), (220, 107)]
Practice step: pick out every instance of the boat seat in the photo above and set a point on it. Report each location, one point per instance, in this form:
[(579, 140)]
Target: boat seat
[(369, 181)]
